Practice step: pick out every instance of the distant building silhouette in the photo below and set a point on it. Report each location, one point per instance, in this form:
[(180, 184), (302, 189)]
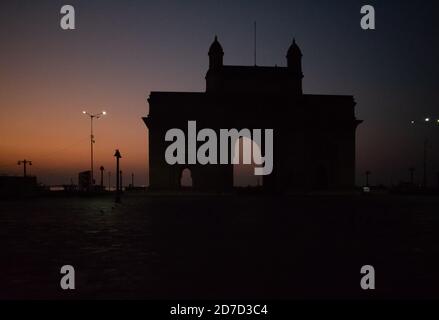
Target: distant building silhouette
[(84, 179), (314, 135)]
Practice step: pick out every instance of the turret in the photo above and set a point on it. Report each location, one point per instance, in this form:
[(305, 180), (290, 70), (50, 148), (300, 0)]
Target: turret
[(216, 55), (294, 63)]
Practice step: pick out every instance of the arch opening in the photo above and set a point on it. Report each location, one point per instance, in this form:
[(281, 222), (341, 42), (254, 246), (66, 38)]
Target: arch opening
[(186, 180), (246, 154)]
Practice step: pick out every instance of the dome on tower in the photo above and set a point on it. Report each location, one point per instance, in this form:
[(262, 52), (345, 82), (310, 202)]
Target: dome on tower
[(294, 50), (216, 47)]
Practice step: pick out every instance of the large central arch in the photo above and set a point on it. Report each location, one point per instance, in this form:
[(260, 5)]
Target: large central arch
[(244, 174)]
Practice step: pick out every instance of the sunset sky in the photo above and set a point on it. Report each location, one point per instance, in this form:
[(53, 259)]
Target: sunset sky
[(123, 50)]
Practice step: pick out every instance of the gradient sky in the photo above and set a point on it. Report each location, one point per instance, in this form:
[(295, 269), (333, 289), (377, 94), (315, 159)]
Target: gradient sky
[(122, 50)]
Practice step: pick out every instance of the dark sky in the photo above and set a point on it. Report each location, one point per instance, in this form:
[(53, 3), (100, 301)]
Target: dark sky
[(122, 50)]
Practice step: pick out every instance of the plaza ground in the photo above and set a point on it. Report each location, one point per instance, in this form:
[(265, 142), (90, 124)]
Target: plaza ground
[(226, 247)]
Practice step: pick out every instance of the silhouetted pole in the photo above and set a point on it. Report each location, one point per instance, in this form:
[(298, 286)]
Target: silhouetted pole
[(132, 180), (109, 180), (121, 183), (427, 121), (24, 163), (118, 156), (368, 173), (92, 141), (424, 182), (102, 176), (412, 175)]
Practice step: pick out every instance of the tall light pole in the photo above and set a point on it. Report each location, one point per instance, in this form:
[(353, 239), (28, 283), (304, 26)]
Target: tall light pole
[(118, 156), (424, 165), (368, 173), (428, 122), (102, 176), (412, 176), (92, 141), (24, 163)]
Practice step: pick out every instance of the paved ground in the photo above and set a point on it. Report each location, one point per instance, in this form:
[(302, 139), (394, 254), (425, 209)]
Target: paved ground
[(220, 247)]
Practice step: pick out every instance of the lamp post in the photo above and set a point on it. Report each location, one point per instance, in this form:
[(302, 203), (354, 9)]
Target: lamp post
[(424, 165), (427, 122), (412, 176), (24, 163), (118, 156), (102, 176), (368, 173), (92, 141)]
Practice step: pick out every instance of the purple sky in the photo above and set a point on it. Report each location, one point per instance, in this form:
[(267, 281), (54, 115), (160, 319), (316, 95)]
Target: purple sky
[(122, 50)]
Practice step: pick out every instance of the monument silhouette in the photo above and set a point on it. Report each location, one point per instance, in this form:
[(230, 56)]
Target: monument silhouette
[(314, 135)]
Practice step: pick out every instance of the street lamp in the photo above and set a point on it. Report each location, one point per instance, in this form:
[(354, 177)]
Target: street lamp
[(92, 141), (118, 175), (368, 173), (24, 163), (426, 121)]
